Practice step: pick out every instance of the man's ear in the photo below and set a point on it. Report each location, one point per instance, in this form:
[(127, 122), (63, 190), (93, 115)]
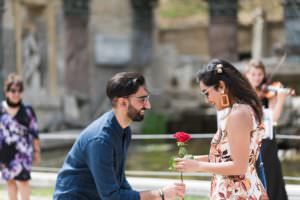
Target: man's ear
[(122, 102)]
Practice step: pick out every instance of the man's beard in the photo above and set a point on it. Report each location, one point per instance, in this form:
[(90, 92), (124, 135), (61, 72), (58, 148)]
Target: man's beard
[(13, 104), (134, 114)]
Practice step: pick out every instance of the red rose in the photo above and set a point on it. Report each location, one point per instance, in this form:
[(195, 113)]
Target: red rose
[(182, 137)]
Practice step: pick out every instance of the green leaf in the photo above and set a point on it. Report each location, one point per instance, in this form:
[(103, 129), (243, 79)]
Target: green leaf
[(181, 144), (172, 163), (182, 152)]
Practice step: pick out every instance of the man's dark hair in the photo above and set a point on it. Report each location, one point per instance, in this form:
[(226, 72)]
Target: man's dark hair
[(238, 85), (124, 84)]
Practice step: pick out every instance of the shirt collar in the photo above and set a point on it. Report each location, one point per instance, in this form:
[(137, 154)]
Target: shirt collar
[(117, 125)]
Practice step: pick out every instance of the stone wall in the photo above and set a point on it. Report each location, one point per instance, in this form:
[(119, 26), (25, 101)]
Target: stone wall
[(189, 41), (193, 40), (110, 20)]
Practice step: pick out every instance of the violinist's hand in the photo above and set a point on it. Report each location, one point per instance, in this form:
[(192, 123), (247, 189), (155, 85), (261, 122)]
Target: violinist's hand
[(292, 92), (281, 96)]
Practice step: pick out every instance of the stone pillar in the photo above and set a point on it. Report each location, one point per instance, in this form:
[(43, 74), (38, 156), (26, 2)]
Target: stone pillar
[(51, 51), (76, 16), (292, 29), (1, 49), (223, 37), (17, 10), (143, 32), (259, 36)]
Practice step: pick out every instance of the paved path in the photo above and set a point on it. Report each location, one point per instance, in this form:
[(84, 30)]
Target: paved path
[(194, 187), (3, 196)]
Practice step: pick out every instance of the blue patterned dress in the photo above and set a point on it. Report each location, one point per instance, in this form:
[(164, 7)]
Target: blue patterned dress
[(16, 147)]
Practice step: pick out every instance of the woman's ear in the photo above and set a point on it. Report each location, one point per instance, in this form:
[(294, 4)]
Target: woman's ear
[(222, 86)]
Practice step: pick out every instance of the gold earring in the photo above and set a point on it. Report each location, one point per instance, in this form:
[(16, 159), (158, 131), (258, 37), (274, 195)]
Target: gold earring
[(224, 100)]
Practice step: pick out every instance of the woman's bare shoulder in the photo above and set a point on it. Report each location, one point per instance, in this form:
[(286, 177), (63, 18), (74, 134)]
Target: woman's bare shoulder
[(240, 112)]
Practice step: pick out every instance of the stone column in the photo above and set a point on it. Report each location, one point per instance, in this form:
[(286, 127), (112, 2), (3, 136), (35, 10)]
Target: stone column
[(51, 51), (76, 16), (223, 37), (292, 29), (1, 49), (18, 34), (143, 32), (259, 36)]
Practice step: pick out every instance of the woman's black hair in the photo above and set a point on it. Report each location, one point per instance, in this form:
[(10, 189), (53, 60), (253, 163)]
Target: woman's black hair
[(238, 87), (124, 84)]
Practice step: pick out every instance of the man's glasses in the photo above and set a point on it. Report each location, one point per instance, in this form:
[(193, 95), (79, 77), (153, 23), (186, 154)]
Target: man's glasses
[(14, 91), (143, 99)]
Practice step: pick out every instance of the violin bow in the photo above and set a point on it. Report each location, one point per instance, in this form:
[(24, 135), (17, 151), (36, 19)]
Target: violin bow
[(281, 61)]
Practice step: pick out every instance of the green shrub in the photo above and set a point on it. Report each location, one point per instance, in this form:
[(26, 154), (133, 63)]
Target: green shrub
[(154, 123)]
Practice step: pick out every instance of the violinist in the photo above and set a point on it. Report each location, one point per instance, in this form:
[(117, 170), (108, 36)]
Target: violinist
[(272, 97)]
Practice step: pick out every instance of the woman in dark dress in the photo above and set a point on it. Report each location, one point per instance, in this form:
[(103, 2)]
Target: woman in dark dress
[(256, 75), (19, 142)]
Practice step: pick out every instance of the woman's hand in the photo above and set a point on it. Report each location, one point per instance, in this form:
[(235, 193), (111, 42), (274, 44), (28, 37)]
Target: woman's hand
[(184, 165)]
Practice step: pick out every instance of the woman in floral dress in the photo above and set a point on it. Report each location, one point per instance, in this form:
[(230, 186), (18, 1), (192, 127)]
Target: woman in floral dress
[(235, 146), (19, 141)]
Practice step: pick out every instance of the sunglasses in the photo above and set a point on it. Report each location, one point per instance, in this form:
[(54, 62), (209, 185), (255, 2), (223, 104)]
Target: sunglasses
[(206, 91), (14, 91)]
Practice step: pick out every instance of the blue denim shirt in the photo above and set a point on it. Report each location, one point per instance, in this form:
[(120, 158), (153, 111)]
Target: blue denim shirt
[(95, 166)]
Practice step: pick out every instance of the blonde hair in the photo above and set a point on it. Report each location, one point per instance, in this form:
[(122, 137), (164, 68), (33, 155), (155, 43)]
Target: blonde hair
[(256, 64), (13, 79)]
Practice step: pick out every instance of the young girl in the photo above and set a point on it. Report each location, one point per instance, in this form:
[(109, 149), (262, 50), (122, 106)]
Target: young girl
[(256, 74), (236, 144)]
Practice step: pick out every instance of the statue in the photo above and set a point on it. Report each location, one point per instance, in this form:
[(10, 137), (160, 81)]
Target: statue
[(31, 58)]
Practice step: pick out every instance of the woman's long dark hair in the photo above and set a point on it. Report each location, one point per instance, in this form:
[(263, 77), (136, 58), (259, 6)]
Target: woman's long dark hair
[(239, 88)]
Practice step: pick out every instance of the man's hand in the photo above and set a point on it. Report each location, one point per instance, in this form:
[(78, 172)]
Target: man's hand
[(172, 191)]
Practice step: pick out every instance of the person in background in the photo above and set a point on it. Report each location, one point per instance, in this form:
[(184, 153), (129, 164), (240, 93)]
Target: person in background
[(272, 106), (95, 166), (19, 139), (235, 146)]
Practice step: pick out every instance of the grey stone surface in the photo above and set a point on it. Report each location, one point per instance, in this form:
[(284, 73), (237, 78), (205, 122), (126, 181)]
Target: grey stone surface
[(71, 110), (112, 51), (259, 39)]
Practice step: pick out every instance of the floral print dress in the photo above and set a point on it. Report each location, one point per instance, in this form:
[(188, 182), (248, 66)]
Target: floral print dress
[(16, 148), (247, 186)]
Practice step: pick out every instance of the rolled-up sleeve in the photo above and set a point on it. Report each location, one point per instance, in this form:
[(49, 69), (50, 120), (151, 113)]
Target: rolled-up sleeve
[(100, 161)]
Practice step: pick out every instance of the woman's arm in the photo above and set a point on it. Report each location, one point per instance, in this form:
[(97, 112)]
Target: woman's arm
[(276, 105), (239, 126), (203, 158), (36, 151)]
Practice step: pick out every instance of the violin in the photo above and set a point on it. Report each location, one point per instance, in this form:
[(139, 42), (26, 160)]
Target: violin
[(270, 91)]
